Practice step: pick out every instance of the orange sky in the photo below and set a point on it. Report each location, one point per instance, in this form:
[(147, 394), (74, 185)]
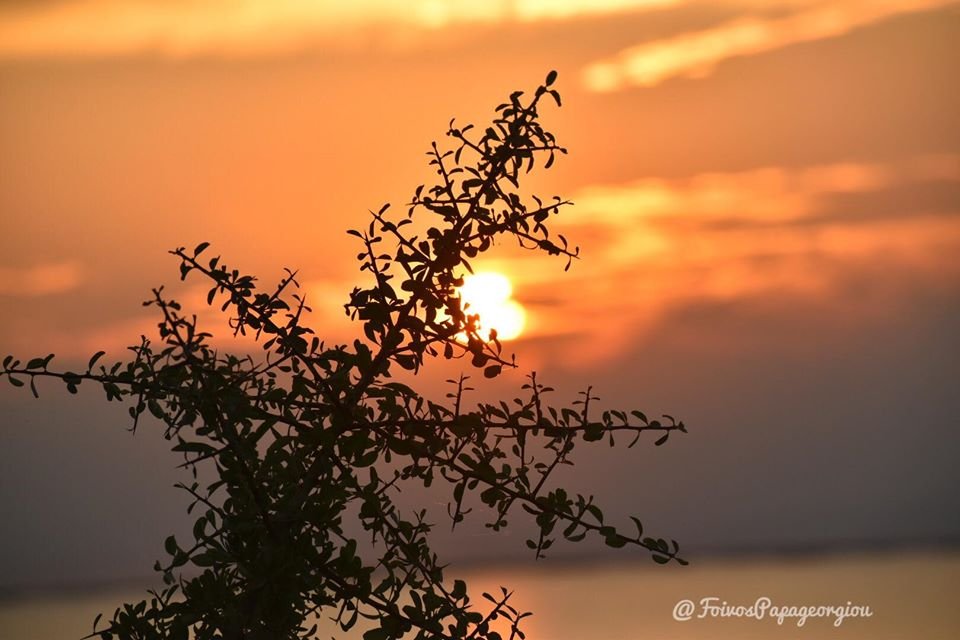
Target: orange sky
[(759, 185), (749, 132)]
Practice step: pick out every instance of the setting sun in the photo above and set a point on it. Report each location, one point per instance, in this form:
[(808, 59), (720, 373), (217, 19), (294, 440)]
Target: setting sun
[(488, 295)]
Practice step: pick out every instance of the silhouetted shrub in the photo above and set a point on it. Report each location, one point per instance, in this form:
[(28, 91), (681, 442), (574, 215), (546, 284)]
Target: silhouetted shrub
[(312, 434)]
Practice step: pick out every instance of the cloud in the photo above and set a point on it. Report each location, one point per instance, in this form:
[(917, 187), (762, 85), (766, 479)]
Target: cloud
[(253, 27), (186, 28), (653, 246), (768, 194), (696, 54), (114, 333), (40, 280)]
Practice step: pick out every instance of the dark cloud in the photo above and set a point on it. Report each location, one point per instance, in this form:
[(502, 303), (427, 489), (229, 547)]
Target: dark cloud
[(903, 201)]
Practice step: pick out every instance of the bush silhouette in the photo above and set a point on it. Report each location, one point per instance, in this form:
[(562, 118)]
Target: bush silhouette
[(313, 435)]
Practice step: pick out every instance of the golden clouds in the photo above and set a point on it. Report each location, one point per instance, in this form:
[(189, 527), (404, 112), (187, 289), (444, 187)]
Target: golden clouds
[(254, 27), (40, 280), (657, 245), (696, 54)]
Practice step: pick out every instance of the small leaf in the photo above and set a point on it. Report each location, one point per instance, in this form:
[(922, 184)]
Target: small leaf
[(615, 541), (492, 371), (93, 360)]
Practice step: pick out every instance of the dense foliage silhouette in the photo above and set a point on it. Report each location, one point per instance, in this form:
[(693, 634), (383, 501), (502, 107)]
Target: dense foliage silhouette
[(310, 436)]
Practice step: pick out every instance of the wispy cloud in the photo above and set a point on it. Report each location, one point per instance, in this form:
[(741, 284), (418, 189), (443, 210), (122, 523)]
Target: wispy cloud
[(114, 334), (250, 27), (769, 194), (656, 245), (696, 54), (263, 27), (40, 280)]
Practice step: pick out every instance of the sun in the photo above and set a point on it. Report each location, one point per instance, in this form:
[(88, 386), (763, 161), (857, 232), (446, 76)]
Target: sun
[(487, 294)]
